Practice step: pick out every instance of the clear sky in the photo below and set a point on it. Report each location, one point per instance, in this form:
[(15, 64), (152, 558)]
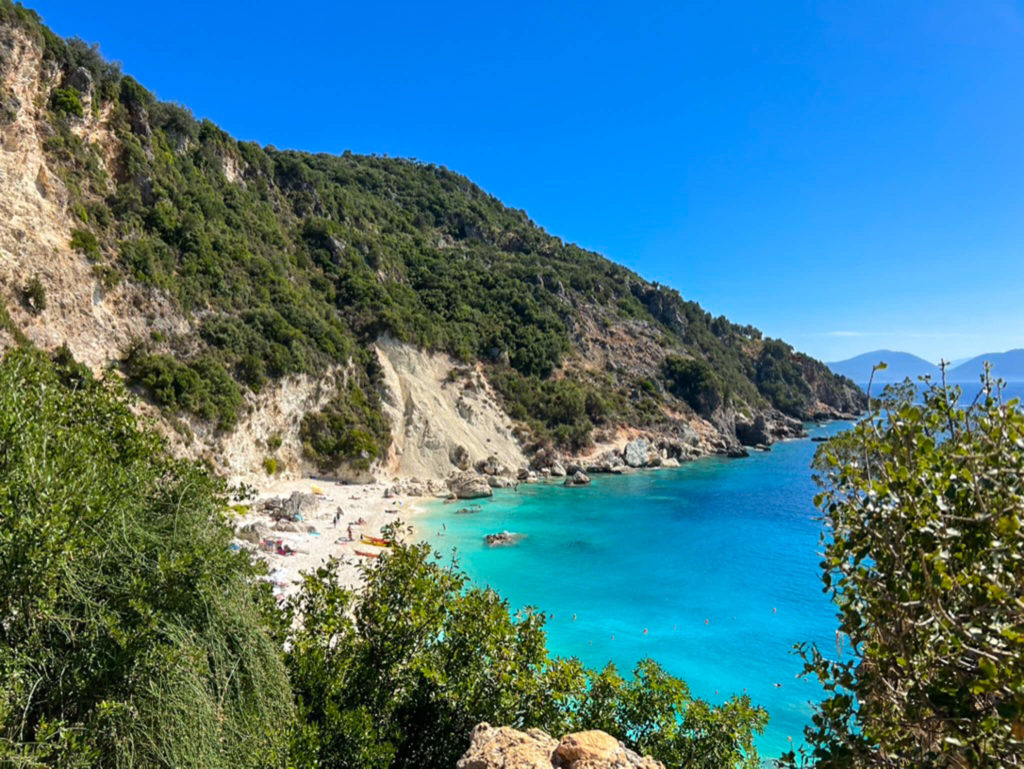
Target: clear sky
[(845, 175)]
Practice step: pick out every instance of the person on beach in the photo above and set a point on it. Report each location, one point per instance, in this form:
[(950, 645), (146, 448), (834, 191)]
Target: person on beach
[(350, 538)]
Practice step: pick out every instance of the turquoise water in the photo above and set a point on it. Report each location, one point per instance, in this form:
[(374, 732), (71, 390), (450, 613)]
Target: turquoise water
[(718, 560)]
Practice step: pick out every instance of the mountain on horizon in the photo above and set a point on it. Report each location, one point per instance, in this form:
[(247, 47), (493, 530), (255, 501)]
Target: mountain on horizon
[(900, 366), (1007, 365)]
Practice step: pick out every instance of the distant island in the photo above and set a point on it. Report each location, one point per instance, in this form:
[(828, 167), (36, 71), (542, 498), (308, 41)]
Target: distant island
[(1007, 365)]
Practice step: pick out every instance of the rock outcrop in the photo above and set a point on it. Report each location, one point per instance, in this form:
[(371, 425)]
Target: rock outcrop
[(579, 478), (507, 748), (469, 486)]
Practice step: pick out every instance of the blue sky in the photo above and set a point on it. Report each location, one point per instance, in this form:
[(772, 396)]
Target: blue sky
[(847, 176)]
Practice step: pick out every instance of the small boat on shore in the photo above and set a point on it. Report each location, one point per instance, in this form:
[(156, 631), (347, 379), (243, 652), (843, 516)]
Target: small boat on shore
[(366, 554), (377, 541)]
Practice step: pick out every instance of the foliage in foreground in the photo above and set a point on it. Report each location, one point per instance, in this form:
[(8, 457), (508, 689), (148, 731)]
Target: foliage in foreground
[(925, 500), (398, 674), (130, 635)]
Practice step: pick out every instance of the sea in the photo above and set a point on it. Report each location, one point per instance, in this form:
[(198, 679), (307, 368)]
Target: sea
[(712, 569)]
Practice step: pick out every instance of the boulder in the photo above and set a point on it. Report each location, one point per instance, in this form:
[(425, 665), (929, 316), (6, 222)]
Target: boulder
[(499, 482), (557, 471), (577, 479), (81, 81), (252, 532), (507, 748), (670, 462), (489, 466), (592, 745), (469, 486), (635, 453), (609, 462), (459, 456), (502, 538), (751, 432)]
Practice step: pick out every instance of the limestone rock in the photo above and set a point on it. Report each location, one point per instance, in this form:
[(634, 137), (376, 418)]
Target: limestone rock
[(579, 478), (469, 486), (557, 471), (635, 453), (459, 457), (507, 748), (670, 462), (751, 432)]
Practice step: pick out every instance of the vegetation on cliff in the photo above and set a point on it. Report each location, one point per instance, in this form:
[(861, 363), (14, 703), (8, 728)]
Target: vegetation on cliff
[(287, 261), (924, 500)]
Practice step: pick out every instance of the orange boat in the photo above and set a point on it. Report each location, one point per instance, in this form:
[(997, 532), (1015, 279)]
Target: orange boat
[(367, 555), (378, 541)]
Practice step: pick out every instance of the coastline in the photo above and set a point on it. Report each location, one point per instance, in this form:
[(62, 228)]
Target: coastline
[(315, 538)]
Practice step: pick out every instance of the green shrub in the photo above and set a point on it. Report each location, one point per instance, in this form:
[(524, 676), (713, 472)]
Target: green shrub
[(350, 429), (85, 242), (924, 501), (202, 386), (66, 101), (33, 295), (694, 381), (270, 465), (132, 635), (397, 675)]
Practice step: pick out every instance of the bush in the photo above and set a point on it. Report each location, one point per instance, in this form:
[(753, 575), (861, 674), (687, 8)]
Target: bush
[(270, 465), (694, 381), (33, 295), (350, 429), (398, 674), (924, 501), (131, 635), (202, 386), (85, 242), (66, 101)]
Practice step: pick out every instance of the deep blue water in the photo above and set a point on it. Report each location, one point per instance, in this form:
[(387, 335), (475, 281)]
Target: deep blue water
[(718, 560)]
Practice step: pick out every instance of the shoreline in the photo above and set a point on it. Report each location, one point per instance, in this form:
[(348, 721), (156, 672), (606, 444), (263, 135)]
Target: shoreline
[(315, 538)]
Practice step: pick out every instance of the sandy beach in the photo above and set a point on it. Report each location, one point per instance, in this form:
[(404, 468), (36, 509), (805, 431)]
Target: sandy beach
[(322, 532)]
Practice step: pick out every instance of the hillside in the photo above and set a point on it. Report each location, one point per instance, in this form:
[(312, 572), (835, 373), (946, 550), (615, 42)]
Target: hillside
[(899, 366), (258, 298), (1007, 365)]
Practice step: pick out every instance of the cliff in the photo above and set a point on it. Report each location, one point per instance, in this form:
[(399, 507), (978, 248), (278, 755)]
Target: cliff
[(352, 315)]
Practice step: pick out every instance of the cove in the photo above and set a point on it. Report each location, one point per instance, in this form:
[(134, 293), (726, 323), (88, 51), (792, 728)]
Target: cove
[(718, 561)]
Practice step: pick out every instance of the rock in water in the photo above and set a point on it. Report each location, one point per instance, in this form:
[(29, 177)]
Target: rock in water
[(579, 478), (507, 748), (502, 538), (635, 453), (469, 486)]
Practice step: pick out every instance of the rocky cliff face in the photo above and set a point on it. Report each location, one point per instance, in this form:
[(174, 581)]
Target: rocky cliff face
[(506, 748), (575, 317)]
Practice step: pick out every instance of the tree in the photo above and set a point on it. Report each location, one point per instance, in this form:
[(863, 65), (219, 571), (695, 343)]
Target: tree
[(924, 501), (399, 673), (694, 381)]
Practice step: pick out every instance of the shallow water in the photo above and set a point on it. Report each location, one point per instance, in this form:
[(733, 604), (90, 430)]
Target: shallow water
[(717, 560)]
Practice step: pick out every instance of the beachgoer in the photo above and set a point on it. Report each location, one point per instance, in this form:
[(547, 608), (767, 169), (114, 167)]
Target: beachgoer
[(350, 537)]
